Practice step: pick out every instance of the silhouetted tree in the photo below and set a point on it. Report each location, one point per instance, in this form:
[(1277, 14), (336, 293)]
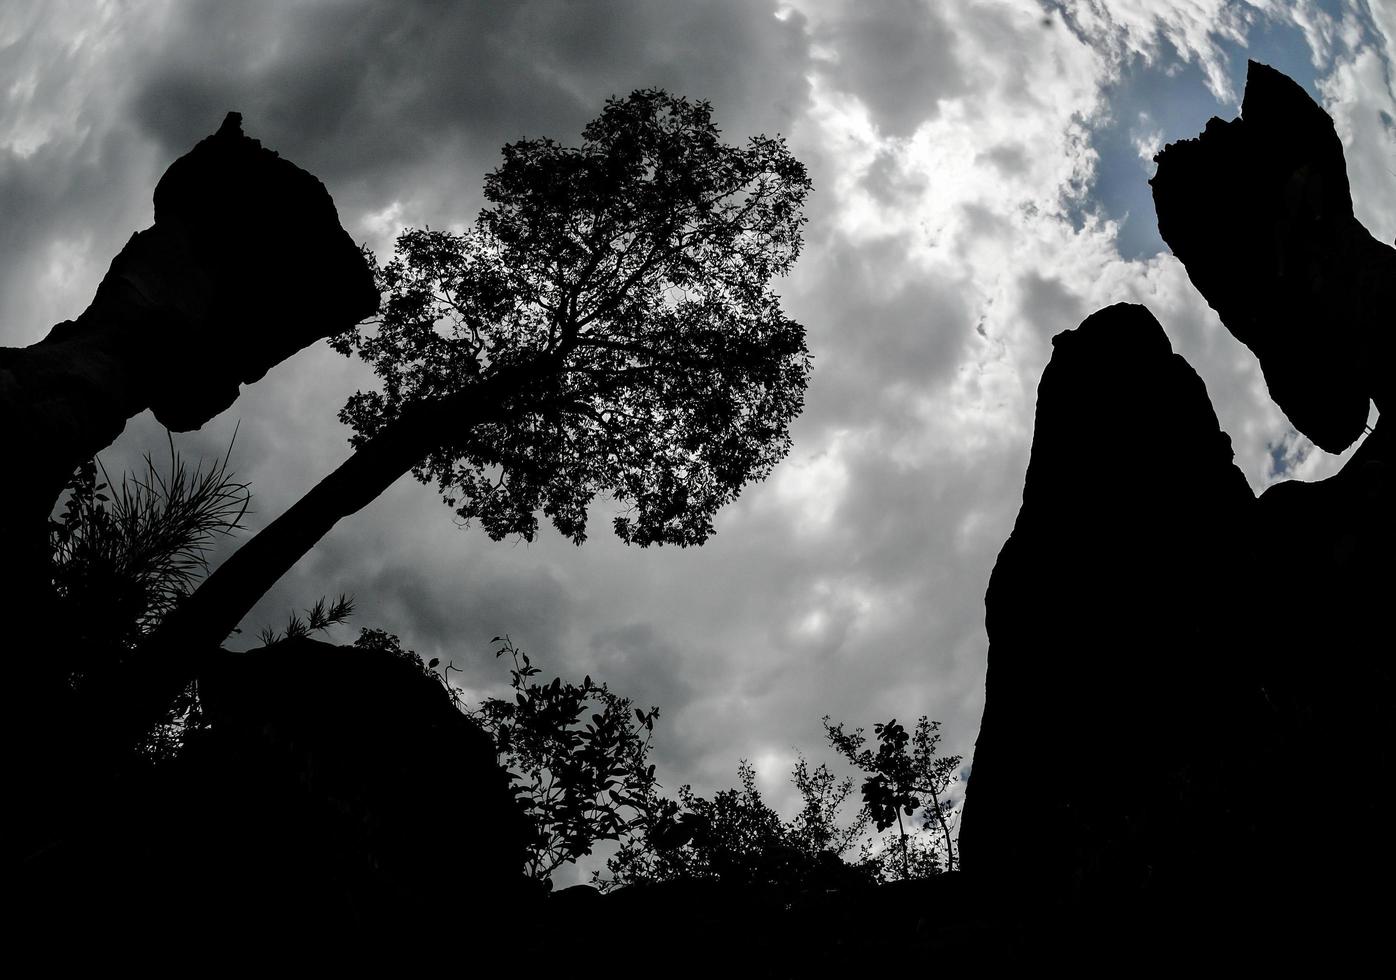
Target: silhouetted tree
[(607, 326), (317, 619), (577, 757), (818, 827), (124, 555), (736, 837), (900, 782)]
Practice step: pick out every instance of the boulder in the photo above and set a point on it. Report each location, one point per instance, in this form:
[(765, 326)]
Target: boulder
[(332, 799)]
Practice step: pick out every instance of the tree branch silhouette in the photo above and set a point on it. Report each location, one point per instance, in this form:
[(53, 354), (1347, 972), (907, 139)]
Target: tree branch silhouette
[(527, 368)]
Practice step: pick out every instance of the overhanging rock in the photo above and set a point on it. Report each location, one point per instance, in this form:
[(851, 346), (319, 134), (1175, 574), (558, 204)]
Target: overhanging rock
[(1259, 212), (245, 265)]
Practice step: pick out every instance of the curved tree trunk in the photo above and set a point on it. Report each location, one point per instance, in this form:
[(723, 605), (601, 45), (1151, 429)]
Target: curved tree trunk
[(245, 264), (134, 698)]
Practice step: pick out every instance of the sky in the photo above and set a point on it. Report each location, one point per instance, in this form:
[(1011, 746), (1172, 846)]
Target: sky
[(980, 175)]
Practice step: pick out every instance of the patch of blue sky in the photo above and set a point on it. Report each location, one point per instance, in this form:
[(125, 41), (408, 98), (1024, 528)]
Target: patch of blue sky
[(1288, 454), (1165, 100), (1279, 460)]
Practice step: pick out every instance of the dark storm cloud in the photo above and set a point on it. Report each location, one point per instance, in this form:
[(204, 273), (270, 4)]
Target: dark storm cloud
[(1049, 305), (58, 207), (898, 57), (876, 328), (445, 614), (395, 100), (641, 661), (637, 655)]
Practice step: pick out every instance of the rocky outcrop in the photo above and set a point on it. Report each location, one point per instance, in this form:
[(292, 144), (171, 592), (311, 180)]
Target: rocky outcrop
[(1259, 212), (1187, 725), (334, 798), (382, 762), (327, 798), (1109, 671), (245, 264)]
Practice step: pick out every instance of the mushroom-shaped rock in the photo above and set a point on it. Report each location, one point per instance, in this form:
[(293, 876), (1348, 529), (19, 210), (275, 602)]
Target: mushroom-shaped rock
[(245, 265), (1259, 212)]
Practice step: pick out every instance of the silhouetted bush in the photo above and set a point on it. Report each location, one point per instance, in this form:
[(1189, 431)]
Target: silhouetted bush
[(125, 554), (576, 754), (901, 782), (738, 839)]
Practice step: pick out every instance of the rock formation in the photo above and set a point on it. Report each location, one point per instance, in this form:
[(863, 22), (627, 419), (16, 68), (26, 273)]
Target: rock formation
[(1258, 210), (377, 750), (1109, 670), (245, 265), (1175, 666), (325, 798), (333, 798)]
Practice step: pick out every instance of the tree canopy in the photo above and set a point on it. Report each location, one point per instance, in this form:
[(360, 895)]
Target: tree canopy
[(576, 757), (607, 326), (626, 284), (900, 782)]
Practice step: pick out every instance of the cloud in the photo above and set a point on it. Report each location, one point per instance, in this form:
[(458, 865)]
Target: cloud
[(897, 57), (411, 101), (1193, 32), (66, 160), (979, 187), (1360, 93)]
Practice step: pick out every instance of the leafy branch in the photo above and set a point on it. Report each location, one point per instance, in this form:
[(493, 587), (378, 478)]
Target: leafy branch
[(318, 618), (899, 782), (576, 756)]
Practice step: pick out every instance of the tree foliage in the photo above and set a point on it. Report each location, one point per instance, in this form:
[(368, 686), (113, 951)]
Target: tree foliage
[(904, 775), (576, 754), (623, 288), (817, 827), (737, 838), (317, 619), (607, 326), (123, 555)]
